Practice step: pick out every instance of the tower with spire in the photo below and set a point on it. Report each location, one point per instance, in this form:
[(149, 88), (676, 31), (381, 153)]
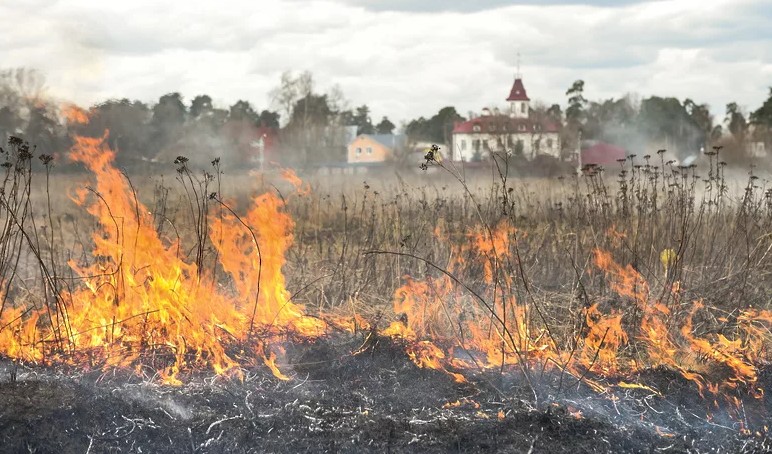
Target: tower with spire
[(518, 99), (516, 131)]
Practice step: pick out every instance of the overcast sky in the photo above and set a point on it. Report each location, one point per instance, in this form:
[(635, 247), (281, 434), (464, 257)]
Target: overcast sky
[(404, 58)]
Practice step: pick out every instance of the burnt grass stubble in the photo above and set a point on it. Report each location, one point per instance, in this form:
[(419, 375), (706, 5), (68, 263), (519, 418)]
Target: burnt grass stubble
[(347, 399), (374, 401)]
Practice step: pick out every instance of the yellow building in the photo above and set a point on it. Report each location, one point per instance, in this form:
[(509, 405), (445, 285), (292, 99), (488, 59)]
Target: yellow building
[(372, 148)]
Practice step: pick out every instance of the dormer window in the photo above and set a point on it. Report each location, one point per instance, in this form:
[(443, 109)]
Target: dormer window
[(476, 128), (521, 127)]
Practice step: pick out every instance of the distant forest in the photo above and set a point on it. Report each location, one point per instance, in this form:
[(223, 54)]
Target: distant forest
[(308, 123)]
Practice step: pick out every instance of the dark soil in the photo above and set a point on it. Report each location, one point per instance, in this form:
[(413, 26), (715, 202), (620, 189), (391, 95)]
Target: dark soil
[(375, 401)]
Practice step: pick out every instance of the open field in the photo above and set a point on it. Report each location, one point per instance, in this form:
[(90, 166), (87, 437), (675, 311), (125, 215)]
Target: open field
[(585, 302)]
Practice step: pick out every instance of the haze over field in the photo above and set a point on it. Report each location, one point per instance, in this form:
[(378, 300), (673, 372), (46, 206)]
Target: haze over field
[(372, 226), (402, 59)]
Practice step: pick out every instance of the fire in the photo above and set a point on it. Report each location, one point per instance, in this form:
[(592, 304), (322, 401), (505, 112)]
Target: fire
[(254, 257), (501, 331), (143, 306), (141, 303), (604, 338), (575, 412), (74, 114), (292, 177), (464, 401), (435, 311), (715, 363)]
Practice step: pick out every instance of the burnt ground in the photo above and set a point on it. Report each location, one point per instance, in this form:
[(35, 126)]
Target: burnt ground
[(376, 401)]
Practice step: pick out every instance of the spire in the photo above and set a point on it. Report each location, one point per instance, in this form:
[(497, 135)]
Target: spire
[(518, 91), (518, 98)]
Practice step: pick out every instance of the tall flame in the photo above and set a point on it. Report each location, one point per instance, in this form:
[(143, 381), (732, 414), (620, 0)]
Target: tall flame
[(142, 301), (74, 114)]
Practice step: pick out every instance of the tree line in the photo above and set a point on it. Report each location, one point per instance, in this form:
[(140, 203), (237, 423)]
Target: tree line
[(640, 125), (139, 131), (684, 126), (318, 124)]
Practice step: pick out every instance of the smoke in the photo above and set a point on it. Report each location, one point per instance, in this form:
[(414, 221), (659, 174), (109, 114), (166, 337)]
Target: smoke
[(651, 125), (142, 135)]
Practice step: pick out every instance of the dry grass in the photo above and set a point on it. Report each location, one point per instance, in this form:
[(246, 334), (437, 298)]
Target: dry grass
[(354, 235)]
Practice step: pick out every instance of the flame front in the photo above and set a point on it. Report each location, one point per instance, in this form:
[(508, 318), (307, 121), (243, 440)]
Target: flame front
[(74, 114), (142, 304), (505, 332)]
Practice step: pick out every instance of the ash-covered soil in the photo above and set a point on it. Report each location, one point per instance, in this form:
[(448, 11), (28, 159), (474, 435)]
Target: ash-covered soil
[(375, 401)]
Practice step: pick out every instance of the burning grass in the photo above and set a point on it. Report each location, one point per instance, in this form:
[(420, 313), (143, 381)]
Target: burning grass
[(590, 292)]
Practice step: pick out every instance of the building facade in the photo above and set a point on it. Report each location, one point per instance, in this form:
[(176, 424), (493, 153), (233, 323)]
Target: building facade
[(372, 148), (517, 131)]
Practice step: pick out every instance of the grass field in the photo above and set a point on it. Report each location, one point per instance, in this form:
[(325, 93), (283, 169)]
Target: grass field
[(527, 243), (508, 306)]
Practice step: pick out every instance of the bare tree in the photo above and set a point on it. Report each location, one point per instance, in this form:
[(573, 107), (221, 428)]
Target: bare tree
[(292, 89)]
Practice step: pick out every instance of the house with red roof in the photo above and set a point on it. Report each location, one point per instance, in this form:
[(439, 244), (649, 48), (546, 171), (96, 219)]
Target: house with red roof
[(517, 131), (604, 154)]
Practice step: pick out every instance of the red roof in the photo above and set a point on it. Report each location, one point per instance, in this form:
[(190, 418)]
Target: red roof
[(602, 153), (518, 91), (497, 124)]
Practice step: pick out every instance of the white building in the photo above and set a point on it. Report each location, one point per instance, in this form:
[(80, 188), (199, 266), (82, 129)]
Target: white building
[(515, 131)]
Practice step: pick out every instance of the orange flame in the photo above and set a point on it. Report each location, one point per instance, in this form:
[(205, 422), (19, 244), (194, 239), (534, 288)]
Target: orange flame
[(143, 305), (74, 114), (728, 362), (142, 301), (292, 177)]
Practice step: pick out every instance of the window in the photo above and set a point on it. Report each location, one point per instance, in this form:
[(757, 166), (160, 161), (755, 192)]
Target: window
[(359, 151), (369, 150), (522, 107), (492, 128), (476, 128), (549, 143), (521, 127), (537, 127), (463, 145), (476, 144)]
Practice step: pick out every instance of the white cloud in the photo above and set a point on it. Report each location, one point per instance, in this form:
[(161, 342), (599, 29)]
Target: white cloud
[(401, 63)]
